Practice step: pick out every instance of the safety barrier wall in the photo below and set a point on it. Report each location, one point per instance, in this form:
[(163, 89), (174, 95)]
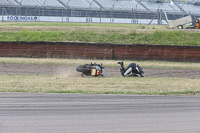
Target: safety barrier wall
[(99, 51)]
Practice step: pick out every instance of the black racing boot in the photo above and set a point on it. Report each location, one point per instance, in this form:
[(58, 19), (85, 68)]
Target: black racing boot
[(121, 63), (122, 69)]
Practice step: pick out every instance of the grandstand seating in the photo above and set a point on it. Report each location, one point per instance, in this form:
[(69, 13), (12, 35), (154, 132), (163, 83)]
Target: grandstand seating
[(108, 4), (76, 4), (51, 3), (129, 5), (178, 7), (165, 7), (190, 9), (8, 3), (175, 8)]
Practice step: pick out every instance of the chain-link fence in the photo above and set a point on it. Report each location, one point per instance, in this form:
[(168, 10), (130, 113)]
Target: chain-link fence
[(98, 11)]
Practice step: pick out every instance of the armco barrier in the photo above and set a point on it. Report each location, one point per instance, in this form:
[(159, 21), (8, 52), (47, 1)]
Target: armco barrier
[(99, 51)]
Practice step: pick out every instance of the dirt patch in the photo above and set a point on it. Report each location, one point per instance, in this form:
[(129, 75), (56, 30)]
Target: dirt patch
[(66, 72), (160, 72), (69, 71)]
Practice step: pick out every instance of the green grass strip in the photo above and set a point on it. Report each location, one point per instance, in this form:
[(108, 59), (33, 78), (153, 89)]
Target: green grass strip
[(104, 85), (111, 63), (158, 37)]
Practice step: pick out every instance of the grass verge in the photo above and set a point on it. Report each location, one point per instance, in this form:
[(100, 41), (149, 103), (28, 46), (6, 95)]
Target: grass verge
[(98, 33), (47, 24), (54, 61), (105, 85), (158, 37)]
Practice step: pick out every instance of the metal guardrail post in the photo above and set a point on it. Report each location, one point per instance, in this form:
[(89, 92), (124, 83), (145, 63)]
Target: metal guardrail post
[(35, 12), (2, 15), (132, 16), (62, 15), (159, 17), (100, 14)]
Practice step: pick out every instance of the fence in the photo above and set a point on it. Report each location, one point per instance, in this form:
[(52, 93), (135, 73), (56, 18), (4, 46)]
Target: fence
[(95, 11)]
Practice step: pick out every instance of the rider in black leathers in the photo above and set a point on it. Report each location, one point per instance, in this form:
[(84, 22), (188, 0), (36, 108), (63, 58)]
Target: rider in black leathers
[(133, 70)]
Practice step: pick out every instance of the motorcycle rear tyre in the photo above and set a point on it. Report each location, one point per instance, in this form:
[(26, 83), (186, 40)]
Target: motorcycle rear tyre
[(83, 69)]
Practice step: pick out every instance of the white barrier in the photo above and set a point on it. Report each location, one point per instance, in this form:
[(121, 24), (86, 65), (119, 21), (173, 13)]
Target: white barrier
[(77, 19)]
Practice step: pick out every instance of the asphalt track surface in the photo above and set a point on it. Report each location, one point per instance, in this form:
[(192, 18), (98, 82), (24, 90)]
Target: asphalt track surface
[(91, 113)]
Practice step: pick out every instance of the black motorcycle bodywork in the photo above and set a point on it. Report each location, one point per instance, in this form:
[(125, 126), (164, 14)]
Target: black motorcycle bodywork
[(91, 69)]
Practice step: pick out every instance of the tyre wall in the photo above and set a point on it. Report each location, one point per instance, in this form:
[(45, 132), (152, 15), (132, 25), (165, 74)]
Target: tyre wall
[(99, 51)]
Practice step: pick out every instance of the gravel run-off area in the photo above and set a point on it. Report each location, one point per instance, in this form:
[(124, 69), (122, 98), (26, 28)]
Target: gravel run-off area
[(9, 68)]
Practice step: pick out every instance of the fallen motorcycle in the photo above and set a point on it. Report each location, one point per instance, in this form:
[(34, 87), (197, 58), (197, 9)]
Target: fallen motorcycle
[(91, 69)]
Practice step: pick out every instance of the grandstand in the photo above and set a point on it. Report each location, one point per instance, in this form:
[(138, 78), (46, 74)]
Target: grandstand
[(110, 9)]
